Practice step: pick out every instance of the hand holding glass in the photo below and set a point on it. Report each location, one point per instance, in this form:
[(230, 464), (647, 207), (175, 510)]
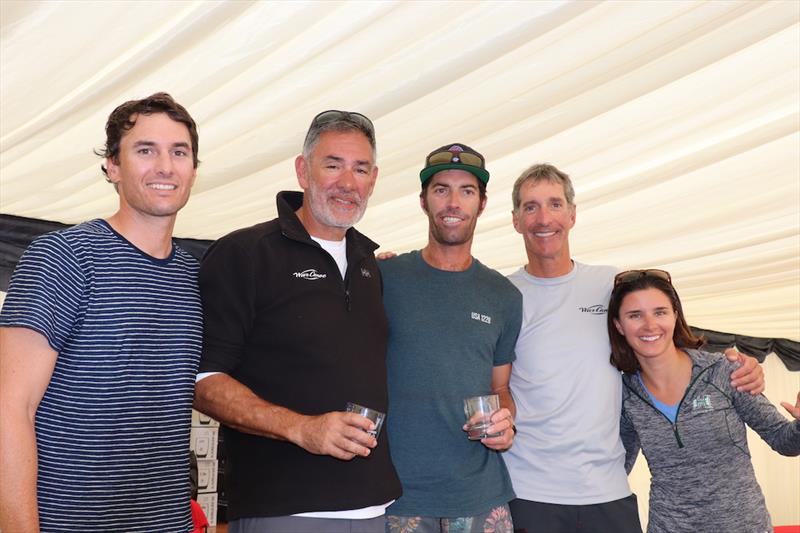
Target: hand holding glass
[(479, 410), (373, 415)]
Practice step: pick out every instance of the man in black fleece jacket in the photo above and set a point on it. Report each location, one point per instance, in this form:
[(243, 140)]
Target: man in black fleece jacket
[(294, 329)]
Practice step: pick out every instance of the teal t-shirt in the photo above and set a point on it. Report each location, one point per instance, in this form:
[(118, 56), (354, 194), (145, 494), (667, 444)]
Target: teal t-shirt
[(447, 331)]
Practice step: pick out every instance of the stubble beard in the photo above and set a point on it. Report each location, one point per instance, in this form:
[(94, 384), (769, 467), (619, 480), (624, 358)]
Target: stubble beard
[(326, 215), (445, 237)]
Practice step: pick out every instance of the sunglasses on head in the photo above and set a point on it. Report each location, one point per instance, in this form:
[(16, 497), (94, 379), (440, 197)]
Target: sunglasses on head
[(446, 156), (350, 116), (633, 275)]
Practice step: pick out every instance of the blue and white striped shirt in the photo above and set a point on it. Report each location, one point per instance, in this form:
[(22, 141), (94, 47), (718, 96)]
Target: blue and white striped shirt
[(113, 426)]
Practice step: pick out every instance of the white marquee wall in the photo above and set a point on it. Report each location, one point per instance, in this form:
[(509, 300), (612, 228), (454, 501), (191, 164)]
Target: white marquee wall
[(678, 120)]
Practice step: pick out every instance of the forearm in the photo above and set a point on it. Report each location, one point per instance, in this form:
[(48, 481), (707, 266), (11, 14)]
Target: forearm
[(789, 440), (782, 435), (235, 405), (339, 434), (19, 511), (506, 400), (630, 440), (26, 364), (631, 454), (501, 376)]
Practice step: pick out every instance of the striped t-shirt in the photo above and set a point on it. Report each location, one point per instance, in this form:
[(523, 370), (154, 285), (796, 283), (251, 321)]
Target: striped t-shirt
[(113, 426)]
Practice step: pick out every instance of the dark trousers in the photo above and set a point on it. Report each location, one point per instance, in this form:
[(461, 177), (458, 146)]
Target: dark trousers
[(300, 524), (619, 516)]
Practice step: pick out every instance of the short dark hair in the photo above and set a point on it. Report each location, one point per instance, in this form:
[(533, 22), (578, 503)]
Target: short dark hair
[(622, 356), (123, 118), (481, 187)]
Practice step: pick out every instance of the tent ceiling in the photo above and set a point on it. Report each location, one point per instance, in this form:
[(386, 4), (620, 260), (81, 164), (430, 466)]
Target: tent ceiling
[(678, 121)]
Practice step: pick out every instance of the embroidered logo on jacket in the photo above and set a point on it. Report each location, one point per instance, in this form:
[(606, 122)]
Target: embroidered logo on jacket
[(310, 274), (703, 402), (366, 273), (480, 318), (597, 309)]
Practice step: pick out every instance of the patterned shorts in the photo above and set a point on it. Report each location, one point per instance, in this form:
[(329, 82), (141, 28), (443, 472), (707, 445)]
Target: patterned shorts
[(498, 520)]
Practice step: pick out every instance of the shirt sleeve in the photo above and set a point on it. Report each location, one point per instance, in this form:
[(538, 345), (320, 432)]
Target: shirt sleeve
[(505, 352), (227, 289), (763, 417), (46, 290), (630, 440)]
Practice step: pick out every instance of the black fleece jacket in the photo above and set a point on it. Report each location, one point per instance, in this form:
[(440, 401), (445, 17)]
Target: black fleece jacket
[(280, 319)]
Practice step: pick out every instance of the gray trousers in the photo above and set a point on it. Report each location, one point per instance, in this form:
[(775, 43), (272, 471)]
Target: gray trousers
[(300, 524)]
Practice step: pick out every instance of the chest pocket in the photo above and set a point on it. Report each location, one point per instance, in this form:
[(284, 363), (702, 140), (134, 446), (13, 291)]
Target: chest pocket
[(713, 419)]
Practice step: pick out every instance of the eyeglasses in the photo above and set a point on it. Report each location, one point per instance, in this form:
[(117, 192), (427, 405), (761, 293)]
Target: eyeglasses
[(633, 275), (333, 115), (446, 156)]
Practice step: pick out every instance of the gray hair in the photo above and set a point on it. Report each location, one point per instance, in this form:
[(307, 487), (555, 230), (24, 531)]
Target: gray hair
[(339, 121), (542, 172)]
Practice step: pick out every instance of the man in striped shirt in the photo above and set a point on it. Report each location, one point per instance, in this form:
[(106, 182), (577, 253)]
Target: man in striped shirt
[(100, 338)]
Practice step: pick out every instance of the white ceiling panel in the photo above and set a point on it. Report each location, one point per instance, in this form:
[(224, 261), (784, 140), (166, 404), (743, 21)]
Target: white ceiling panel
[(679, 122)]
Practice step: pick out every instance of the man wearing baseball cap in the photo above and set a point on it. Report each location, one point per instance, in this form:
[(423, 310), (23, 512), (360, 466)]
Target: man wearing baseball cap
[(453, 326)]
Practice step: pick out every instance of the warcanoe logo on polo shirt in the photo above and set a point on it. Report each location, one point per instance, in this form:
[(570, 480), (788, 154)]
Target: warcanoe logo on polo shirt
[(310, 274), (597, 309)]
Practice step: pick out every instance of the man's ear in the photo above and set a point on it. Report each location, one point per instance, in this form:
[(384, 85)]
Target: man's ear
[(572, 216), (483, 204), (374, 178), (516, 222), (301, 169), (112, 170)]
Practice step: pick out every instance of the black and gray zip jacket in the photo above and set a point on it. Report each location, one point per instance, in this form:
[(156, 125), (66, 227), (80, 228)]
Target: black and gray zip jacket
[(702, 476)]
